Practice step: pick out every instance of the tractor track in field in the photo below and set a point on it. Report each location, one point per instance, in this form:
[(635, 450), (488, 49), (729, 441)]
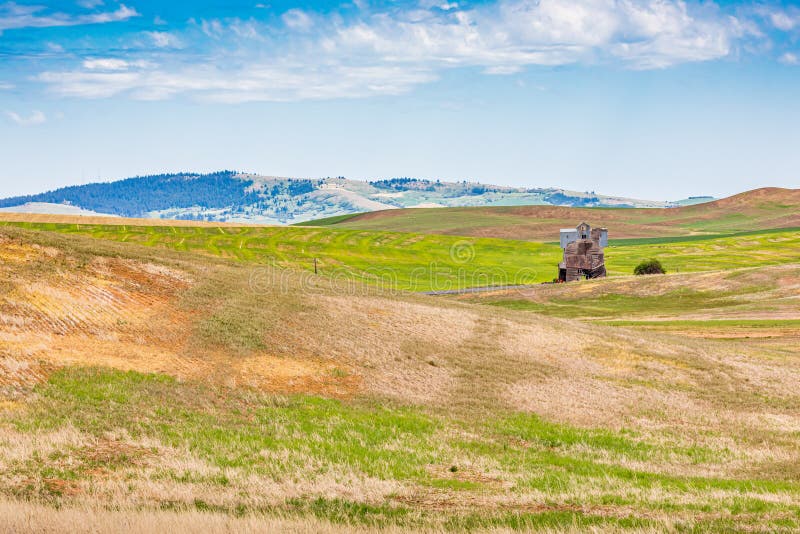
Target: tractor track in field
[(53, 313)]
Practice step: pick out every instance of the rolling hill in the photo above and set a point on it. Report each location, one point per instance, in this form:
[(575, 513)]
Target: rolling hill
[(178, 384), (413, 262), (754, 210), (250, 198)]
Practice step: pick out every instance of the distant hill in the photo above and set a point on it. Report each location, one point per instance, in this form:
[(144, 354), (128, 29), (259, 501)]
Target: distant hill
[(754, 210), (238, 197)]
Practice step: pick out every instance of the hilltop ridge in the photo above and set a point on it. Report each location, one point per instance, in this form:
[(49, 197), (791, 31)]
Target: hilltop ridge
[(760, 196), (758, 209)]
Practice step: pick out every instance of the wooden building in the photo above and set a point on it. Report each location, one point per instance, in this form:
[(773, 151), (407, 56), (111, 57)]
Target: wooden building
[(583, 253)]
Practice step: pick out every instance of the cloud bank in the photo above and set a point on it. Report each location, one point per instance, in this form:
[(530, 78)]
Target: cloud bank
[(16, 16), (303, 55)]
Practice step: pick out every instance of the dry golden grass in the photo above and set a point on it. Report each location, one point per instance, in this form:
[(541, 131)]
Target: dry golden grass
[(772, 282), (26, 517), (759, 305)]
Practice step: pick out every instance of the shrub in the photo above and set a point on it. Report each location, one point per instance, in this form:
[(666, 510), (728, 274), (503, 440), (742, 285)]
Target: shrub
[(649, 267)]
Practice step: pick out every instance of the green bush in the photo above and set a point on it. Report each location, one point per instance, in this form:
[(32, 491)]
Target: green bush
[(652, 266)]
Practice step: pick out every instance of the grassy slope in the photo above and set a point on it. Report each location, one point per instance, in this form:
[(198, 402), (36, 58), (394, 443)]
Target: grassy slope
[(755, 210), (408, 262), (749, 303), (399, 410), (418, 262), (436, 404), (238, 434)]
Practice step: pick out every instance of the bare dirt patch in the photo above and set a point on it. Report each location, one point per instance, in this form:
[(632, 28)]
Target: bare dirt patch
[(58, 310)]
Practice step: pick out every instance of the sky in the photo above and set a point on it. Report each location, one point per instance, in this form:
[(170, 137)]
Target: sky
[(656, 99)]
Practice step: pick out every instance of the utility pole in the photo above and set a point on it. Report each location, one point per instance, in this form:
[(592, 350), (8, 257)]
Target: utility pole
[(315, 265)]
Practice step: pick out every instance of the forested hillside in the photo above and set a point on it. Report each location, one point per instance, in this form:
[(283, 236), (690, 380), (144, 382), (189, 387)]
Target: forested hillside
[(180, 196), (138, 196), (239, 197)]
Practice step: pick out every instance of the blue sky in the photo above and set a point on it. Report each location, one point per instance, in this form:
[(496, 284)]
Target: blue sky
[(656, 99)]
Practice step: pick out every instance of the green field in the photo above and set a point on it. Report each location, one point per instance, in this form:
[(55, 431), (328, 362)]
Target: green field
[(730, 325), (708, 254), (405, 262), (418, 262), (694, 238)]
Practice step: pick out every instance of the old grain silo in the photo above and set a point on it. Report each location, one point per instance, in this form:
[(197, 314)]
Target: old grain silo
[(583, 253)]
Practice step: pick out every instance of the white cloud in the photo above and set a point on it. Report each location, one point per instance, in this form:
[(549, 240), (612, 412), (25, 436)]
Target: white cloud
[(297, 19), (122, 13), (15, 16), (661, 34), (790, 58), (245, 29), (227, 30), (282, 82), (90, 4), (511, 34), (5, 86), (165, 39), (55, 48), (785, 20), (34, 119), (212, 28), (105, 64), (439, 4), (114, 64), (392, 51)]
